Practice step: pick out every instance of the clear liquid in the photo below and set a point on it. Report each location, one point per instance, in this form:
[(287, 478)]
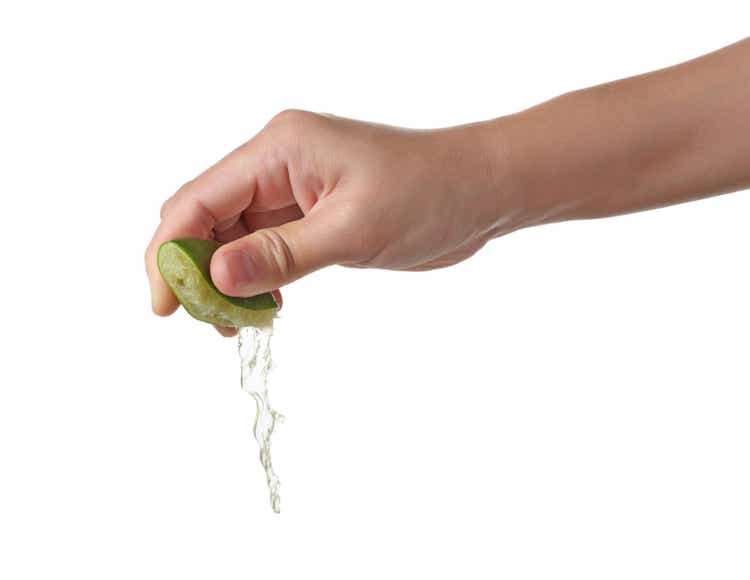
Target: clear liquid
[(255, 356)]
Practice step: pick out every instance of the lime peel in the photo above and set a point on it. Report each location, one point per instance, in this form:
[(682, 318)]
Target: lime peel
[(185, 265)]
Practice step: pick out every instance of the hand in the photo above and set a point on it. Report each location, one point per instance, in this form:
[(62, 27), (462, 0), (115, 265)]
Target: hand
[(314, 190)]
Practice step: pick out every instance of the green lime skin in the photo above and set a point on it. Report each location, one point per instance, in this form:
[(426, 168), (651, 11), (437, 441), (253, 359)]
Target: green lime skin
[(185, 265)]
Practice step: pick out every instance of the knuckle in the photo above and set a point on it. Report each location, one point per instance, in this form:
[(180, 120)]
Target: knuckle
[(278, 252), (184, 190), (165, 207), (290, 119)]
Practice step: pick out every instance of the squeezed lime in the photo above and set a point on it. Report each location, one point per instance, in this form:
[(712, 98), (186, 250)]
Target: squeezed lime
[(185, 265)]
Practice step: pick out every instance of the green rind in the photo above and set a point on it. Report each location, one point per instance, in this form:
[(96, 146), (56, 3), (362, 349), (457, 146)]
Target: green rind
[(224, 310), (200, 252)]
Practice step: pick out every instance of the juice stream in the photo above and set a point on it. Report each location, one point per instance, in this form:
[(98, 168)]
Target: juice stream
[(255, 356)]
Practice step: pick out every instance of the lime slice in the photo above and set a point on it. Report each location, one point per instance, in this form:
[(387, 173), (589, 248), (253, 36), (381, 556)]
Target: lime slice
[(185, 266)]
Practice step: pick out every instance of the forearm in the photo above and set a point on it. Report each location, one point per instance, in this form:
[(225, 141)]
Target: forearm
[(660, 138)]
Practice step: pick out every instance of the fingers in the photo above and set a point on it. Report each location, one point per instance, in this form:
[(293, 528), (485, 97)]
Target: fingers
[(185, 220), (251, 221), (226, 331), (272, 257), (269, 219), (255, 176), (217, 195), (277, 296)]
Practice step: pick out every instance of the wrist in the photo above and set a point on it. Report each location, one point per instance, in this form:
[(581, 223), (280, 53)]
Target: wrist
[(488, 177), (518, 193)]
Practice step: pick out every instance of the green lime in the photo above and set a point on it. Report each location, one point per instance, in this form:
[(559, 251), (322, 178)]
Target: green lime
[(185, 266)]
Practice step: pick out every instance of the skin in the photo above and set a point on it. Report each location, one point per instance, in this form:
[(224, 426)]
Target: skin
[(313, 190)]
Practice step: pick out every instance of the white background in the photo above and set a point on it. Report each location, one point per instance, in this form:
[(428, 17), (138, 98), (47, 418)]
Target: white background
[(571, 403)]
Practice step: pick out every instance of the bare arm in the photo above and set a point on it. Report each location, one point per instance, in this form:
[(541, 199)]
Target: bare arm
[(313, 190), (656, 139)]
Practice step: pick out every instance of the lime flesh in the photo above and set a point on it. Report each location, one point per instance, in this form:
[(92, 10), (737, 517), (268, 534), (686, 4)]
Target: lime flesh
[(185, 266)]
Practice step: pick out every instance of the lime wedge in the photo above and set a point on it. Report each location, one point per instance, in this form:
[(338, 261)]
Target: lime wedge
[(185, 266)]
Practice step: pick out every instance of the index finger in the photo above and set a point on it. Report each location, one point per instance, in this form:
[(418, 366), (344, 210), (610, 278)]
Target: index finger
[(219, 193)]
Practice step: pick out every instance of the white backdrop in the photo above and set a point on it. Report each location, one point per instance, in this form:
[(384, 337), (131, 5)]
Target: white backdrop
[(571, 403)]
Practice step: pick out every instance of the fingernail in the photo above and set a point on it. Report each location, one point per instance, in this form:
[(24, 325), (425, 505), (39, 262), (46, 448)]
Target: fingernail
[(240, 270)]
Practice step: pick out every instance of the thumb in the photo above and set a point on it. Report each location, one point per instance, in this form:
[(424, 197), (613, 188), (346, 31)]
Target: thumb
[(272, 257)]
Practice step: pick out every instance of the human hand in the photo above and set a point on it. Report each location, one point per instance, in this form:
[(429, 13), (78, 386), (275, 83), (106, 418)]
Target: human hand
[(314, 190)]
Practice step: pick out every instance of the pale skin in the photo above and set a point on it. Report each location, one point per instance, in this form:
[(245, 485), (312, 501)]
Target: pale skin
[(313, 190)]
